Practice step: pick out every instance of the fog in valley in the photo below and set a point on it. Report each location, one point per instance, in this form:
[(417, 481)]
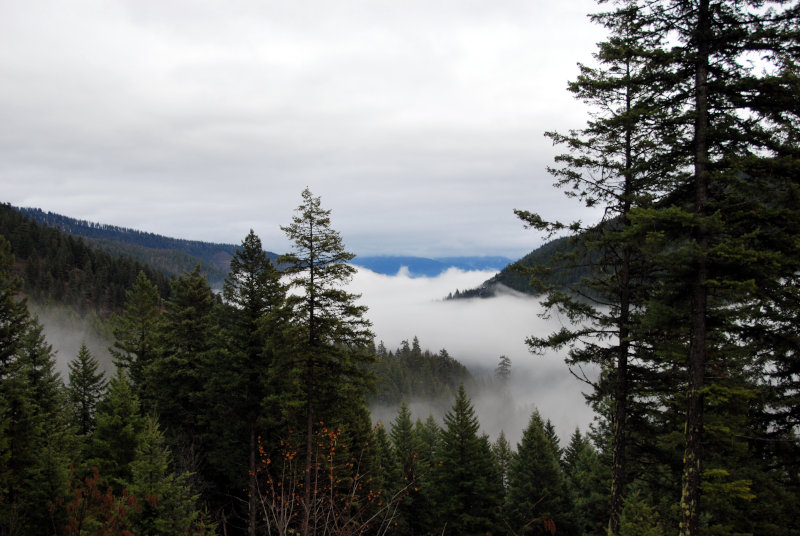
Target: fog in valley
[(477, 332)]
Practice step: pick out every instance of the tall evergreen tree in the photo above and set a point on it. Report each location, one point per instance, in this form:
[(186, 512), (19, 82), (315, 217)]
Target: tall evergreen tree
[(407, 447), (254, 298), (329, 328), (168, 504), (189, 347), (537, 494), (613, 162), (135, 329), (86, 387), (684, 151), (466, 482), (40, 437), (117, 432)]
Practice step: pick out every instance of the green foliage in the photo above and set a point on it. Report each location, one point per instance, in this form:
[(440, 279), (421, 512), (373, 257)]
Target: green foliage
[(638, 517), (135, 329), (37, 439), (466, 484), (116, 434), (86, 387), (412, 373), (167, 503), (59, 268), (189, 345), (170, 255), (537, 492)]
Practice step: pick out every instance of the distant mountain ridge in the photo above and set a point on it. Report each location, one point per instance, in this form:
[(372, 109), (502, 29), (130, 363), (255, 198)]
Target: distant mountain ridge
[(175, 256), (172, 255), (428, 267), (515, 277)]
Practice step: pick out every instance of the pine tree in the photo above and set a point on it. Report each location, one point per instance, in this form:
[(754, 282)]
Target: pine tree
[(537, 494), (330, 330), (504, 454), (41, 436), (116, 435), (587, 483), (254, 298), (135, 329), (189, 348), (167, 502), (714, 256), (407, 447), (466, 482), (615, 163), (86, 387), (503, 370)]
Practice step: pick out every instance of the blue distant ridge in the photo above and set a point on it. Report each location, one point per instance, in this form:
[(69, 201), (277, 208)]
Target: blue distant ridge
[(425, 267)]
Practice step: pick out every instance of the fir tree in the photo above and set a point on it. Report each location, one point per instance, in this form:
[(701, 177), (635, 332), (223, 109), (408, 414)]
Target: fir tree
[(86, 387), (168, 504), (254, 298), (466, 483), (135, 329), (119, 424), (537, 494), (330, 330)]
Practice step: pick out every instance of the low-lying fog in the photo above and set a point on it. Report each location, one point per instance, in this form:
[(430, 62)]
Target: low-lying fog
[(477, 332)]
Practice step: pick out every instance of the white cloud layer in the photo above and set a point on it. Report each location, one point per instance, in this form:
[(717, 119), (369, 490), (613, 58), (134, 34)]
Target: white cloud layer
[(477, 332), (419, 123)]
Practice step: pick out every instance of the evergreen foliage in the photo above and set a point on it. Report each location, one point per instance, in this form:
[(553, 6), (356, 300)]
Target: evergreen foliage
[(117, 433), (411, 373), (329, 332), (466, 482), (537, 493), (86, 387), (135, 329)]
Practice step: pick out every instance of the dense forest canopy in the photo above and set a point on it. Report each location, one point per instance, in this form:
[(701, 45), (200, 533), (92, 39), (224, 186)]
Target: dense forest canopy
[(246, 411)]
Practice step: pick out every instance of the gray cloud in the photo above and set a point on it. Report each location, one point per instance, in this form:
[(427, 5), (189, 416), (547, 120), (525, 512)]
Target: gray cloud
[(419, 123)]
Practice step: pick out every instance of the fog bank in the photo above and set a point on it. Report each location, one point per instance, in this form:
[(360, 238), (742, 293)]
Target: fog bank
[(477, 332)]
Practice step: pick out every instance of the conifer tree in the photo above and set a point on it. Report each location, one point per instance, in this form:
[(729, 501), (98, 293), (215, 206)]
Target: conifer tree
[(254, 298), (466, 482), (168, 504), (40, 436), (329, 328), (116, 435), (86, 387), (537, 494), (407, 448), (135, 329), (504, 454), (587, 483), (614, 163), (189, 348)]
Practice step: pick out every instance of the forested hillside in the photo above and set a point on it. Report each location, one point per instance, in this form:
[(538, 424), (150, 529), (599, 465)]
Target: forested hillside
[(246, 411), (61, 269), (544, 262), (206, 421), (171, 255)]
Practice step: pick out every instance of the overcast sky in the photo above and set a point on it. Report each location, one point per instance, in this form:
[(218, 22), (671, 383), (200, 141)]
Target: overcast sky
[(419, 123)]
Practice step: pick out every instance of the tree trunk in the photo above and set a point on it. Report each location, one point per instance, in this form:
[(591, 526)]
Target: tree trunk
[(692, 462), (309, 453), (621, 387), (251, 526)]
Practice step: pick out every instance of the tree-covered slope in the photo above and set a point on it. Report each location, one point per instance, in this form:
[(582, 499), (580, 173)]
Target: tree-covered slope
[(61, 269), (517, 276), (172, 255)]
